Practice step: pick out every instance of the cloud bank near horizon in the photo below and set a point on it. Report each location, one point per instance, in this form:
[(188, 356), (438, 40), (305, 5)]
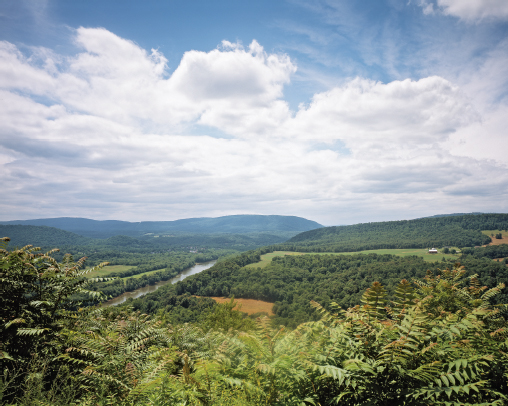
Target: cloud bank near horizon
[(110, 132)]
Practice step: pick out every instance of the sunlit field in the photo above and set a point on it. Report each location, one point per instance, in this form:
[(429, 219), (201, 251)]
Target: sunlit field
[(496, 241), (249, 306), (267, 258), (104, 272)]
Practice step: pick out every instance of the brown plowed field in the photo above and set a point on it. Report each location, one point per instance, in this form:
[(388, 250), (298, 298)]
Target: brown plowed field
[(249, 306), (495, 241), (503, 240)]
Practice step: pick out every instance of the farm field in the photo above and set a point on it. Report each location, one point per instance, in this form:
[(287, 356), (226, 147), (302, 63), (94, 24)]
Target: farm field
[(104, 272), (249, 306), (125, 268), (421, 252), (496, 241), (267, 258), (139, 275)]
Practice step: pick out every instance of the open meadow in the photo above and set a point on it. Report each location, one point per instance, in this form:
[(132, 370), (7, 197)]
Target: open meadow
[(421, 252), (140, 275), (104, 272), (497, 241), (249, 306)]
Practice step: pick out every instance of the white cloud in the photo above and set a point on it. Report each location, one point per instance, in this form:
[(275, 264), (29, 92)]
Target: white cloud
[(107, 133), (488, 78), (398, 113), (475, 9), (251, 76), (428, 8), (469, 10), (234, 85), (16, 72), (116, 79), (483, 140)]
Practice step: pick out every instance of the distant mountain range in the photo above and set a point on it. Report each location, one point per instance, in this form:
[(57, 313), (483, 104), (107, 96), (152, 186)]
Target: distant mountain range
[(235, 224)]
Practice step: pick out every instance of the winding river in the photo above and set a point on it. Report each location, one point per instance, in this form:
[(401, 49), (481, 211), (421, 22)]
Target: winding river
[(152, 288)]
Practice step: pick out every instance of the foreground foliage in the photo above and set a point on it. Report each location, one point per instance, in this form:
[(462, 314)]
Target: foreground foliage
[(438, 341), (36, 298)]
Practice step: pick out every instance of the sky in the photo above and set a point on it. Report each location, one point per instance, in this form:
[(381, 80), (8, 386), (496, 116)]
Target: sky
[(339, 111)]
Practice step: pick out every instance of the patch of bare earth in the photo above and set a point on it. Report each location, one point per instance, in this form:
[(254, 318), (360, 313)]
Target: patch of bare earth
[(249, 306), (499, 241)]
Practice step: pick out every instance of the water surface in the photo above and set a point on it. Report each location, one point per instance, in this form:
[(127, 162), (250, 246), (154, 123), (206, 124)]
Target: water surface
[(152, 288)]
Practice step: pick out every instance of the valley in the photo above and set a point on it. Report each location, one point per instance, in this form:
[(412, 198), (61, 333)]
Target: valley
[(297, 300)]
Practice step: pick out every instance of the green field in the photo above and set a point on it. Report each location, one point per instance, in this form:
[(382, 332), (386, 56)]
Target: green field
[(267, 258), (146, 273), (104, 272)]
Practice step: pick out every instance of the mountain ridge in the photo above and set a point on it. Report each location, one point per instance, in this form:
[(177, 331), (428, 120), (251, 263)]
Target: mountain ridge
[(240, 223), (461, 230)]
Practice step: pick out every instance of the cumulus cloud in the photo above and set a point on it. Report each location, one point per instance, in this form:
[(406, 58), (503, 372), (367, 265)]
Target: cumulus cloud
[(108, 133), (234, 89), (409, 112), (17, 72)]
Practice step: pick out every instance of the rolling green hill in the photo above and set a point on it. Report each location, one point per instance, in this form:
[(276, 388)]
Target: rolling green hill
[(41, 236), (460, 231), (51, 237)]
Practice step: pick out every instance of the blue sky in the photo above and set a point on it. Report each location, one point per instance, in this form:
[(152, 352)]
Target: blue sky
[(338, 111)]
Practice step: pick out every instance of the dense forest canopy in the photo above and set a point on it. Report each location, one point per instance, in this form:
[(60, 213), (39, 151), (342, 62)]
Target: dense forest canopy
[(49, 237), (459, 231), (437, 341), (290, 282)]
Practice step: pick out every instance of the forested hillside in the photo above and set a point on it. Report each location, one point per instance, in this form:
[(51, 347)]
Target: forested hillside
[(452, 214), (142, 257), (236, 224), (459, 231), (436, 341), (42, 236), (290, 282), (50, 237)]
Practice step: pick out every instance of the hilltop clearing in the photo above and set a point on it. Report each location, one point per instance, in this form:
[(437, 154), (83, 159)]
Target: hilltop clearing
[(267, 258)]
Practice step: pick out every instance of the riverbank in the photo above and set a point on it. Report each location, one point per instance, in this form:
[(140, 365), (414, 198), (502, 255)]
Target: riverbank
[(152, 288)]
